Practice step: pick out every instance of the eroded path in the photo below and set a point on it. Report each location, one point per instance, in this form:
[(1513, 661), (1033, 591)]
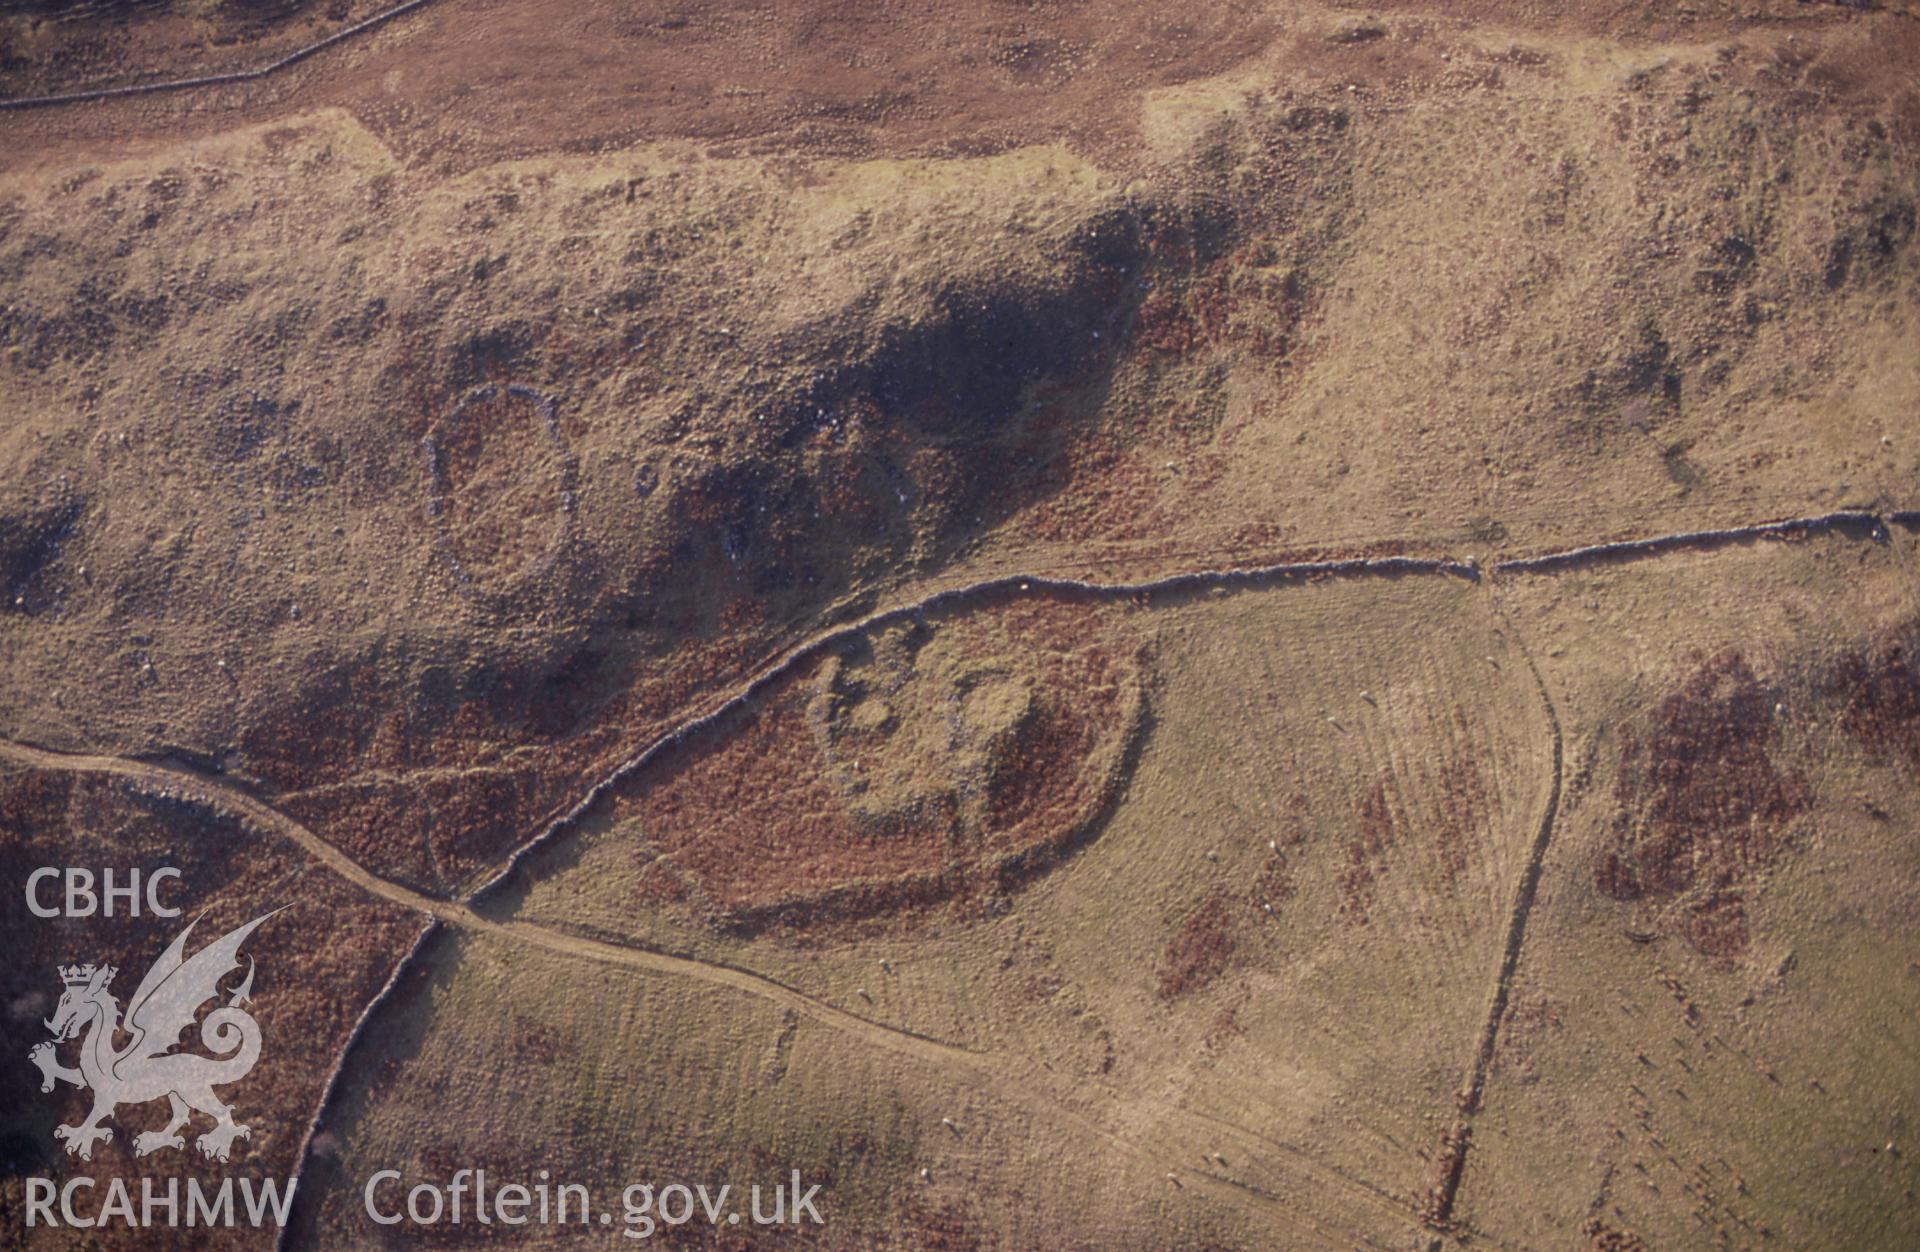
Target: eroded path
[(1073, 1101), (998, 1073), (214, 80)]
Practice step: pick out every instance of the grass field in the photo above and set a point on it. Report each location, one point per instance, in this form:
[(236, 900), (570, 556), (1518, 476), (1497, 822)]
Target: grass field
[(946, 598)]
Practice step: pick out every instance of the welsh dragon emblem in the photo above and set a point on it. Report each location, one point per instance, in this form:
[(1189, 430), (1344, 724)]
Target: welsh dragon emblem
[(164, 1005)]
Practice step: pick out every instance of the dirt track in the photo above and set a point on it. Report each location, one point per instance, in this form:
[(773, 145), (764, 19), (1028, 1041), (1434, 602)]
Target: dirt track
[(216, 80), (997, 1073), (603, 73), (1629, 271), (598, 74), (1001, 1074)]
